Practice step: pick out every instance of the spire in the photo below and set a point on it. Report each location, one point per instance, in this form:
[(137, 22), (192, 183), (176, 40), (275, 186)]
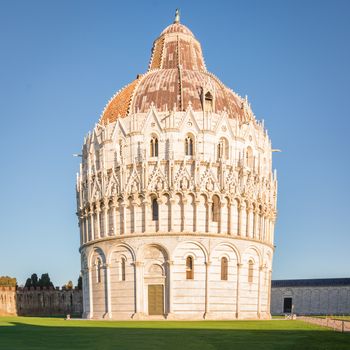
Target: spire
[(177, 16)]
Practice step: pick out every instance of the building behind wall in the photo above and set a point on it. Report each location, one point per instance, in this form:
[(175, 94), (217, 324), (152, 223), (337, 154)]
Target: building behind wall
[(329, 296)]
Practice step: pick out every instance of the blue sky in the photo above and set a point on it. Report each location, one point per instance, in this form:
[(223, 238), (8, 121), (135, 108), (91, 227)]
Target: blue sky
[(61, 61)]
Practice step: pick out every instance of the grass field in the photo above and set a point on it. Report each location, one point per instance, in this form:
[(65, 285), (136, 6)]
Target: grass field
[(51, 333)]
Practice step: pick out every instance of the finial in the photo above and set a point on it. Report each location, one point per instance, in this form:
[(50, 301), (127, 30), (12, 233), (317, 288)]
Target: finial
[(177, 16)]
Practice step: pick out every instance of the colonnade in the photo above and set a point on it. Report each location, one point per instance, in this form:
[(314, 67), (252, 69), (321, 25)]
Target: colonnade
[(115, 216)]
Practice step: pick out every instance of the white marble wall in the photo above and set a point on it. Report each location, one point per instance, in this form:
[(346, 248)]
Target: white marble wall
[(208, 207), (162, 260)]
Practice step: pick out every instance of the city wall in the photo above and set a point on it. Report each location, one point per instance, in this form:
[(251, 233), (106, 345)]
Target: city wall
[(40, 302)]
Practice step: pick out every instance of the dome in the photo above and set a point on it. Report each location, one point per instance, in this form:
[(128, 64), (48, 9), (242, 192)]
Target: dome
[(177, 28), (177, 78)]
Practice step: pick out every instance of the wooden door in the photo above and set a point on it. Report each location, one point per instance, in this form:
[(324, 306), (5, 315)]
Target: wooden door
[(155, 299)]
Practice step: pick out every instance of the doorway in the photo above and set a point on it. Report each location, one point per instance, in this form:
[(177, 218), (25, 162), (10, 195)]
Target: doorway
[(155, 299), (287, 305)]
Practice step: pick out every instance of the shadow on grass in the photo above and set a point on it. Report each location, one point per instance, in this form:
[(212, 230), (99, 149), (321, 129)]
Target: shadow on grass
[(18, 336)]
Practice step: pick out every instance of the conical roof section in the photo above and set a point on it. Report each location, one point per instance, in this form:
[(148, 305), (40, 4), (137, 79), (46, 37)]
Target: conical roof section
[(176, 78), (177, 47)]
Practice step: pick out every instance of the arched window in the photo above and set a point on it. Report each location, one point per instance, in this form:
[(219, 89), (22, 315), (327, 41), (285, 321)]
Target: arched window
[(215, 209), (250, 271), (189, 150), (122, 269), (224, 268), (223, 149), (208, 102), (189, 268), (154, 147), (155, 209), (98, 270), (249, 160)]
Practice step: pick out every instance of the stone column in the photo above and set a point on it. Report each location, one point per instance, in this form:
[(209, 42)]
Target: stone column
[(170, 287), (229, 217), (85, 292), (264, 226), (183, 213), (133, 212), (259, 292), (114, 216), (209, 215), (123, 207), (81, 228), (86, 219), (207, 307), (220, 225), (242, 219), (139, 302), (98, 223), (109, 303), (268, 312), (256, 224), (146, 207), (196, 205), (106, 218), (248, 228), (237, 292), (91, 300), (159, 224), (92, 228), (172, 214), (272, 229)]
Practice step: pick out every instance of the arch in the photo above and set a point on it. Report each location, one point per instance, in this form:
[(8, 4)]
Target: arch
[(189, 212), (155, 269), (154, 146), (114, 248), (100, 252), (215, 208), (155, 209), (256, 250), (199, 245), (141, 252), (223, 149), (189, 145), (230, 245)]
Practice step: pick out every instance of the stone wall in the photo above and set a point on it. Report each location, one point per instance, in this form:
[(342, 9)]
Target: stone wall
[(7, 301), (48, 302), (331, 299)]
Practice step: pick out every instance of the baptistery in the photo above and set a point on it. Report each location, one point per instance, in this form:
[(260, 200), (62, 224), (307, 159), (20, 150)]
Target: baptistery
[(176, 197)]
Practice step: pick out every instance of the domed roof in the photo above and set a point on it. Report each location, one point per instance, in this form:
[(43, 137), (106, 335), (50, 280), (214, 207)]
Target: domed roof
[(177, 27), (177, 77)]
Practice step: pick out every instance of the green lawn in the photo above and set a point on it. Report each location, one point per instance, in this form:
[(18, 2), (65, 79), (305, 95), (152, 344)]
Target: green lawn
[(51, 333)]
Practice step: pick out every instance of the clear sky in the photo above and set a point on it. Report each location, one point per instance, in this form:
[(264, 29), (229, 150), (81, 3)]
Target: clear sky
[(61, 61)]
